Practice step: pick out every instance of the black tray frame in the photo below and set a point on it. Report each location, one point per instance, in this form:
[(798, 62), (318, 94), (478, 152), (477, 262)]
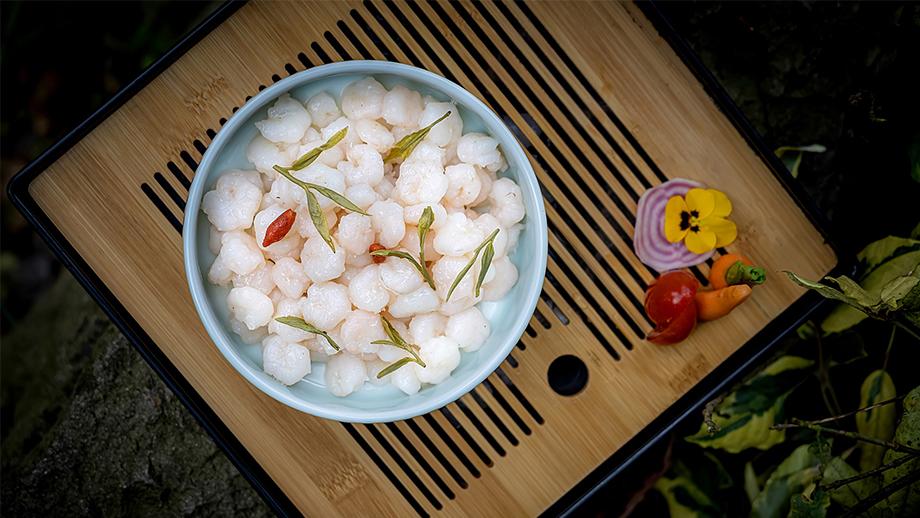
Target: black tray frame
[(733, 369)]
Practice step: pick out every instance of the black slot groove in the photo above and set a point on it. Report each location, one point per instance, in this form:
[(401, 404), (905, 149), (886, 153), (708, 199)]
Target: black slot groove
[(506, 406), (519, 396), (539, 78), (541, 318), (486, 434), (437, 453), (158, 203), (222, 121), (608, 137), (451, 445), (391, 451), (248, 97), (304, 60), (337, 46), (466, 436), (521, 345), (385, 469), (170, 191), (530, 331), (320, 53), (401, 438), (375, 39), (581, 314), (512, 361), (289, 68), (199, 146), (179, 175), (275, 78), (554, 307), (235, 108), (494, 417), (355, 42), (516, 103), (189, 161), (605, 316), (388, 29), (589, 88), (211, 134)]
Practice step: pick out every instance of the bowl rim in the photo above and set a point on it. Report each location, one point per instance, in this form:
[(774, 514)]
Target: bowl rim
[(196, 281)]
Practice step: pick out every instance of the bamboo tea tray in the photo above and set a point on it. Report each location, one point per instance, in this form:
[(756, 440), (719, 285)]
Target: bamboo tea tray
[(607, 103)]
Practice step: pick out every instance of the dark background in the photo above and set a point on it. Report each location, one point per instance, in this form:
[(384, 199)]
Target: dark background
[(88, 429)]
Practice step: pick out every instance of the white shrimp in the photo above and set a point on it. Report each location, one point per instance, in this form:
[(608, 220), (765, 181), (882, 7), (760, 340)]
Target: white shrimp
[(507, 202), (345, 373), (248, 336), (264, 154), (289, 277), (240, 253), (385, 188), (351, 136), (448, 130), (322, 175), (421, 300), (388, 222), (367, 166), (355, 233), (323, 109), (214, 237), (319, 262), (288, 246), (276, 294), (399, 276), (356, 261), (486, 180), (289, 308), (458, 236), (326, 305), (366, 291), (469, 328), (329, 157), (287, 121), (362, 195), (421, 181), (441, 356), (321, 347), (260, 279), (373, 368), (463, 184), (359, 329), (374, 134), (286, 362), (250, 306), (234, 200), (219, 274), (427, 326), (479, 149), (363, 99), (488, 223), (506, 276), (406, 380), (410, 243), (304, 224), (426, 152), (413, 213), (446, 270), (402, 107)]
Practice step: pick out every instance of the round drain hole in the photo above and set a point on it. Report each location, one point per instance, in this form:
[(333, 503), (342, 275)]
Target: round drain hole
[(567, 375)]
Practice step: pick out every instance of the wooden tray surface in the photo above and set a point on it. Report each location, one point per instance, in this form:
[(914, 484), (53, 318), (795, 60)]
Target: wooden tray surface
[(604, 108)]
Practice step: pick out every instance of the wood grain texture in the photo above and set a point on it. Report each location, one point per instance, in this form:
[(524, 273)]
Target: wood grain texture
[(626, 116)]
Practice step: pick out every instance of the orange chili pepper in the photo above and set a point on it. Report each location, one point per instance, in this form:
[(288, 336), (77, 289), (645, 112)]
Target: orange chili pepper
[(731, 269), (279, 228), (377, 258), (713, 304)]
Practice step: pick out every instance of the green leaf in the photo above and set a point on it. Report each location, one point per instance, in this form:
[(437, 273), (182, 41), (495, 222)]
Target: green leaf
[(408, 257), (745, 416), (302, 324), (487, 256), (393, 367), (751, 486), (810, 506), (796, 472), (905, 502), (850, 494), (915, 233), (685, 499), (876, 253), (310, 156), (392, 333), (397, 341), (406, 145), (463, 272), (877, 422), (792, 156), (319, 219), (339, 200), (424, 225)]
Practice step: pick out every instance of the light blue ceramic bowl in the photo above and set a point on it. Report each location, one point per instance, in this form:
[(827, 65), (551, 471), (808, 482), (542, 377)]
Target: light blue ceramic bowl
[(508, 317)]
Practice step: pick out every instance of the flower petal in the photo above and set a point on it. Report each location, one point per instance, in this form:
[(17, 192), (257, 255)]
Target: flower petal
[(672, 211), (725, 230), (723, 205), (700, 242), (702, 201)]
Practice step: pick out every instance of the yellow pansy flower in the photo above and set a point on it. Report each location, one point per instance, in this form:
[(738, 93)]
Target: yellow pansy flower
[(699, 220)]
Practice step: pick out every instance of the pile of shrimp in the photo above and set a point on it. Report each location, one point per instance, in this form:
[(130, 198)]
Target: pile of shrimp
[(345, 292)]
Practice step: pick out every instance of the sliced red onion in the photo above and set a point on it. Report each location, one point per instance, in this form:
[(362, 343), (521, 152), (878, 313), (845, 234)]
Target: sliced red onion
[(649, 241)]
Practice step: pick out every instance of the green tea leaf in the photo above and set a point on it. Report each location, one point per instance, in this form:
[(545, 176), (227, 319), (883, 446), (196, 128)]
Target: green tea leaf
[(406, 145), (340, 200), (424, 225), (310, 156), (466, 269), (319, 219), (487, 256), (302, 324), (391, 368), (408, 257), (392, 333)]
